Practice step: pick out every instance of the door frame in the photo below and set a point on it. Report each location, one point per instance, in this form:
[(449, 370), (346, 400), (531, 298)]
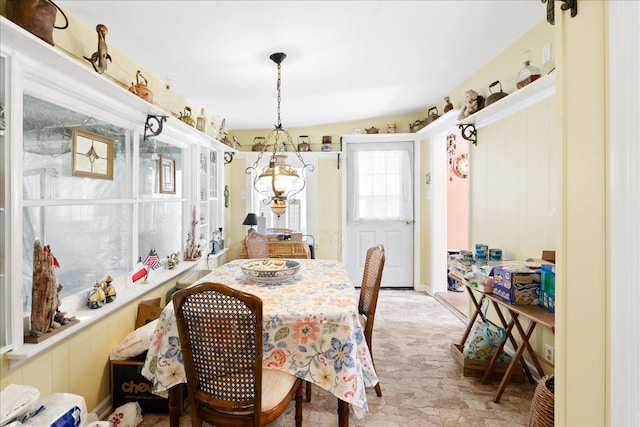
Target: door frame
[(381, 138)]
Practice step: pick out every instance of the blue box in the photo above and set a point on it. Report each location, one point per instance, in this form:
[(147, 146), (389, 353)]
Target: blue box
[(517, 285), (548, 287)]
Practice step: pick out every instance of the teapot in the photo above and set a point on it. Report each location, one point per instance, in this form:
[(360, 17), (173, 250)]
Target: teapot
[(303, 143), (432, 116), (494, 96), (36, 16), (372, 130), (141, 89), (186, 117), (258, 144)]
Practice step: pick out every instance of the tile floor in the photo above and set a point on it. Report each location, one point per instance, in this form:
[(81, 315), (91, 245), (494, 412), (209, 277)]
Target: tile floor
[(422, 385)]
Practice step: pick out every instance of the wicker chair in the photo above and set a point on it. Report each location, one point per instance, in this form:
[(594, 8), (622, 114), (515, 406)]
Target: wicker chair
[(257, 245), (371, 278), (220, 332), (370, 288)]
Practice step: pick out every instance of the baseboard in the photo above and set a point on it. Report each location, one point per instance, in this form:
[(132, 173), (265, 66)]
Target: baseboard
[(534, 372), (104, 408)]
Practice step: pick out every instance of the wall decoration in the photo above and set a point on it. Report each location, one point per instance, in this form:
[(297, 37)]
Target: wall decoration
[(92, 155), (99, 58), (167, 174)]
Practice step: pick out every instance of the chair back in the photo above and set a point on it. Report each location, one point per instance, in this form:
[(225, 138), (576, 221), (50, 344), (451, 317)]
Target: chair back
[(220, 331), (257, 245), (371, 278)]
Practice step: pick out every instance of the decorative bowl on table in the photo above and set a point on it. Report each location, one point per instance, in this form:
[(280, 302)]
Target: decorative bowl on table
[(270, 270)]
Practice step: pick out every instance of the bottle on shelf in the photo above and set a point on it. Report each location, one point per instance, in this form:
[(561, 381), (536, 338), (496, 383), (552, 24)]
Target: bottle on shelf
[(201, 122), (528, 73)]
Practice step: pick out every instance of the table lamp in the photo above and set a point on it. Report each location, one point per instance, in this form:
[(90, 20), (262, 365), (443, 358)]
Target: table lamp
[(251, 219)]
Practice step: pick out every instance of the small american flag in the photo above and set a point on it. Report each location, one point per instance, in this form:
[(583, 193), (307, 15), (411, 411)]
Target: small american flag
[(152, 260)]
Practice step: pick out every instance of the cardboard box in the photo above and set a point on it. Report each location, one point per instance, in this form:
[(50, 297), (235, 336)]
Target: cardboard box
[(548, 287), (517, 285), (147, 311), (477, 367), (129, 385)]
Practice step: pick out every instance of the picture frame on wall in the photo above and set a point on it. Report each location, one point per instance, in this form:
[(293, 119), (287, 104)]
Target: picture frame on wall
[(167, 169), (92, 155)]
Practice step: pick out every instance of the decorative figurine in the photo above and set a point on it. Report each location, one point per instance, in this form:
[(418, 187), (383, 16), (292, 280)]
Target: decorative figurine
[(44, 297), (448, 106), (192, 252), (472, 103), (99, 58), (172, 261), (109, 289), (391, 128), (96, 298)]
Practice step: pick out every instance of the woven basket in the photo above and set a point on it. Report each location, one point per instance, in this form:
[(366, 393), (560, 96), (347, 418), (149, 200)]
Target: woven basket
[(542, 406)]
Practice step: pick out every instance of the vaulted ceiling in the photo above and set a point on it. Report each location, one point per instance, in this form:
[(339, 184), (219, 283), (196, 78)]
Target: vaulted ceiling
[(346, 60)]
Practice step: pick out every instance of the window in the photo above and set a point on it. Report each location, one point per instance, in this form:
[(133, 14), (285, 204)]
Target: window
[(300, 214), (293, 218), (87, 222), (383, 185)]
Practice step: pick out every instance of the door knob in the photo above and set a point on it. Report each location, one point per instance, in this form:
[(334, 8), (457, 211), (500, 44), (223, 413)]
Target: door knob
[(410, 221)]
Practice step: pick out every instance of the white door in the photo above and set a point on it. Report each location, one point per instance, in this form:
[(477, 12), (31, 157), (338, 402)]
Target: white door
[(380, 209)]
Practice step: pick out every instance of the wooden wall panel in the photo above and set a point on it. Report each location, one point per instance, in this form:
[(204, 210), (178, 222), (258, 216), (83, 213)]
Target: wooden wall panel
[(512, 184)]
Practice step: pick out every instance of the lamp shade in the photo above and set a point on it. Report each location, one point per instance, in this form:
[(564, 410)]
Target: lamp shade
[(251, 219)]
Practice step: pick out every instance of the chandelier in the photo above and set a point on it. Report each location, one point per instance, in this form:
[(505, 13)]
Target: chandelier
[(278, 182)]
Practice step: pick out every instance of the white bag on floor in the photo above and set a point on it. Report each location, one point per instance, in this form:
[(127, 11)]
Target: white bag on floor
[(15, 401), (127, 415), (59, 410)]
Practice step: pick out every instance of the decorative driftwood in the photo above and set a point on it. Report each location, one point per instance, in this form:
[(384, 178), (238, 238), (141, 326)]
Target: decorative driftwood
[(44, 291), (192, 252)]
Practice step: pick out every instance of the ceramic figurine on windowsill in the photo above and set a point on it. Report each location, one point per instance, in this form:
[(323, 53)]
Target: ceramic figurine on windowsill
[(96, 298), (109, 290)]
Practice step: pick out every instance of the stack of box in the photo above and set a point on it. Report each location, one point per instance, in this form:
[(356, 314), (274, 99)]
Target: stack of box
[(548, 287), (517, 284)]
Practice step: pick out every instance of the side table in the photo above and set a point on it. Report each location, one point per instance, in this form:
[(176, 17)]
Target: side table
[(536, 315)]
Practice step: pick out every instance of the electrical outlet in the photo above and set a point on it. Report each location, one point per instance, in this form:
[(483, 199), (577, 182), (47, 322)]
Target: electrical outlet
[(548, 353)]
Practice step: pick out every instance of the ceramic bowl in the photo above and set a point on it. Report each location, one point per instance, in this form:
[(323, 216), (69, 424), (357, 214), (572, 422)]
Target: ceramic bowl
[(270, 270)]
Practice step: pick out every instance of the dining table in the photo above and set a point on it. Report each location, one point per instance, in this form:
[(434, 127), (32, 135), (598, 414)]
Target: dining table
[(311, 329)]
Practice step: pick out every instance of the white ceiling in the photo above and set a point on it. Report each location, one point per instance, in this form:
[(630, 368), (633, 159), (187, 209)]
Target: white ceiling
[(346, 60)]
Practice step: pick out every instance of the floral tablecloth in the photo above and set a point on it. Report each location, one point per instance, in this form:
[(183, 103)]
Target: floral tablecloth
[(311, 329)]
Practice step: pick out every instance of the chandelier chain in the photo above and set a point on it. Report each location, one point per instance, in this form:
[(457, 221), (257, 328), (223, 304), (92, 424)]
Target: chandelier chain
[(279, 124)]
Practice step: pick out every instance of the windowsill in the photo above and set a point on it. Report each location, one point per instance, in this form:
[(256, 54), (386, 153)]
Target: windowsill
[(76, 305)]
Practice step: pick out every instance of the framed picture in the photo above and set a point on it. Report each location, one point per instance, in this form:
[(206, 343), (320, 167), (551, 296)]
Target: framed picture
[(92, 155), (167, 174)]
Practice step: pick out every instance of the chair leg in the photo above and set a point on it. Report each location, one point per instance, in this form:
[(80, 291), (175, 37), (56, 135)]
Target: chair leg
[(378, 390), (299, 405), (308, 391)]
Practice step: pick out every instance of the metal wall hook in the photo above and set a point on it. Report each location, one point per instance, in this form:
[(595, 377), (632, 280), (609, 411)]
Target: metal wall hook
[(567, 4), (153, 126), (469, 132), (228, 157)]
